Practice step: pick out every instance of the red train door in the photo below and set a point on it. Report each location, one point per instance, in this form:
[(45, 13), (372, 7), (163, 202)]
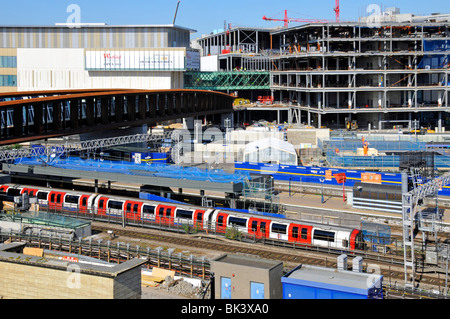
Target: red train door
[(299, 233), (164, 214), (259, 227), (132, 210), (221, 222), (56, 200), (198, 218), (83, 204), (101, 206)]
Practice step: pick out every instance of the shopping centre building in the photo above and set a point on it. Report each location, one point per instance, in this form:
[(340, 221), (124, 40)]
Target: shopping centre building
[(95, 56)]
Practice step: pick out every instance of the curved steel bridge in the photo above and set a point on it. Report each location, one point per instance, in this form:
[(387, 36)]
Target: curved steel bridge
[(33, 115)]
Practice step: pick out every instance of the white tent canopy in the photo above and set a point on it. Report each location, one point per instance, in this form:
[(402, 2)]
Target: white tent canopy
[(270, 150)]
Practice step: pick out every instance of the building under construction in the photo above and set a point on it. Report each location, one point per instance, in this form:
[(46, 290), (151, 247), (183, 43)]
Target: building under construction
[(378, 72), (383, 71)]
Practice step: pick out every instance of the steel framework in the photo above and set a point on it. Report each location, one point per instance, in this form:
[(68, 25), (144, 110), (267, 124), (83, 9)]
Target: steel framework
[(48, 150), (410, 207), (222, 81)]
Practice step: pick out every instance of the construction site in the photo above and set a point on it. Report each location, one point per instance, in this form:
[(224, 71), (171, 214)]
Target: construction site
[(384, 71), (295, 162)]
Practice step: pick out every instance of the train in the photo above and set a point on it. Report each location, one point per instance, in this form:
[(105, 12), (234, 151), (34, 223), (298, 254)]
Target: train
[(215, 220)]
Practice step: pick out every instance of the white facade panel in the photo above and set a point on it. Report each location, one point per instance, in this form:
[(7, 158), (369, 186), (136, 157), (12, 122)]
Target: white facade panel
[(209, 63), (50, 58), (59, 69)]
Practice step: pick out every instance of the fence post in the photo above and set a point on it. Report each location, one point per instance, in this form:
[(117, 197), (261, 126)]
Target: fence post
[(109, 251), (99, 249), (203, 268)]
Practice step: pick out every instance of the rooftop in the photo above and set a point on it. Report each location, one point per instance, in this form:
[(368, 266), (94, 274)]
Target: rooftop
[(247, 261), (326, 277), (100, 25), (12, 252)]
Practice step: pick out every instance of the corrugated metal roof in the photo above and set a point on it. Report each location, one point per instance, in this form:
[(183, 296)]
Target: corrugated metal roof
[(333, 278)]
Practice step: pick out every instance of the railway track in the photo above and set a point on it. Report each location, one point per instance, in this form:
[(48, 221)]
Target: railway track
[(391, 268)]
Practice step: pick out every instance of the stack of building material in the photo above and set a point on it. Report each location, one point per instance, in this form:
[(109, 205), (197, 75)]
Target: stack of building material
[(157, 276)]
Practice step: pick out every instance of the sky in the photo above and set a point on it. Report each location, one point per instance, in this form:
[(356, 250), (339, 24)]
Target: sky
[(204, 16)]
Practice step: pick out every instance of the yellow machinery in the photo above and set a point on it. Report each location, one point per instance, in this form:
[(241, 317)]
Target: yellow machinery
[(351, 126), (422, 131), (241, 101)]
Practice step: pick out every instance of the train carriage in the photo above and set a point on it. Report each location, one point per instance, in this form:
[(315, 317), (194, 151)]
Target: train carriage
[(208, 219)]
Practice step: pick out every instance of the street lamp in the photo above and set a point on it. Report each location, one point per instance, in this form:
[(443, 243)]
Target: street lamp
[(321, 181)]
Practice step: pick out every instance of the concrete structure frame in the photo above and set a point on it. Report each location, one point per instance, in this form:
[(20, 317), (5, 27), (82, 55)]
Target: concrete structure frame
[(371, 72)]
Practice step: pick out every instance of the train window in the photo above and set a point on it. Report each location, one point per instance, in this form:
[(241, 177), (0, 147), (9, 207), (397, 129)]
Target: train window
[(161, 211), (128, 207), (112, 204), (199, 216), (101, 203), (168, 212), (148, 209), (323, 235), (181, 213), (254, 225), (42, 195), (345, 242), (279, 228), (237, 221), (135, 208), (71, 199), (294, 232), (220, 221), (84, 201), (58, 198), (304, 233), (13, 192)]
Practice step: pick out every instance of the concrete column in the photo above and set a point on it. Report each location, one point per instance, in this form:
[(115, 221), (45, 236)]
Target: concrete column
[(439, 122), (188, 123)]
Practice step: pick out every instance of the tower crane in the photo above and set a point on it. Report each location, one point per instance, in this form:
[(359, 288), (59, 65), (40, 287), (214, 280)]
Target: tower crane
[(287, 20)]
